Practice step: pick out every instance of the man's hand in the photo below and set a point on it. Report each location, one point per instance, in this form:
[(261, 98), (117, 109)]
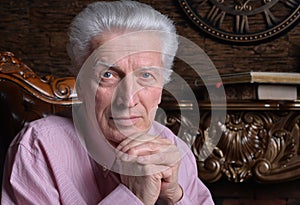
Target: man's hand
[(159, 160), (146, 188)]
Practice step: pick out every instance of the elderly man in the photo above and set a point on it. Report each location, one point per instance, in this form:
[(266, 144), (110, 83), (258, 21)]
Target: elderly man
[(111, 151)]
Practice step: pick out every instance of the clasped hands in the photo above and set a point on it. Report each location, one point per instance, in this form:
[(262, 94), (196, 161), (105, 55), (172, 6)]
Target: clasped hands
[(155, 161)]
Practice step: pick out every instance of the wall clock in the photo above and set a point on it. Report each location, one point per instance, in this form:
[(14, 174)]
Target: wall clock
[(243, 21)]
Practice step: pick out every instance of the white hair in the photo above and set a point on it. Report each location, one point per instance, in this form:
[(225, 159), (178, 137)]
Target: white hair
[(118, 16)]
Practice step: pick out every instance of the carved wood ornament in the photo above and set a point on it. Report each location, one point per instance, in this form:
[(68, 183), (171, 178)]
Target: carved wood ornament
[(259, 144), (49, 88), (258, 140)]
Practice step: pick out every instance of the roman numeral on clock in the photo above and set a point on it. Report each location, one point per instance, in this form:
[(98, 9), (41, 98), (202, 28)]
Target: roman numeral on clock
[(270, 18), (216, 16), (241, 24)]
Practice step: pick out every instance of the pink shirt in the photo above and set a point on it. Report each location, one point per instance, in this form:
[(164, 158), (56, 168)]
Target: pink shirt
[(46, 164)]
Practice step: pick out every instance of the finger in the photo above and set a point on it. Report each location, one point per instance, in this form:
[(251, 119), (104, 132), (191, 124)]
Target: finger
[(152, 169), (137, 149), (136, 169), (170, 157), (127, 157), (121, 151), (151, 153), (151, 142), (126, 141), (147, 148), (134, 140)]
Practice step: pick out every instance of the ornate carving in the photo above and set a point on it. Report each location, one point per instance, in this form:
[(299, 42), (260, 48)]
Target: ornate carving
[(49, 89), (11, 65), (258, 140), (263, 145), (181, 126)]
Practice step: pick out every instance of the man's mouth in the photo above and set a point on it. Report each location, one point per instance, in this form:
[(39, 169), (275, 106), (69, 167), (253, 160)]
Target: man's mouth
[(125, 120)]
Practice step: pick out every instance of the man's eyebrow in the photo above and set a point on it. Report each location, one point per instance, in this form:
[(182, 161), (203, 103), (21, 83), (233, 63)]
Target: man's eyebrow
[(149, 68), (111, 66), (106, 64)]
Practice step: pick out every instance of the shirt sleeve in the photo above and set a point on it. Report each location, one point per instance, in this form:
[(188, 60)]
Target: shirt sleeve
[(121, 195), (46, 166), (194, 191), (26, 180)]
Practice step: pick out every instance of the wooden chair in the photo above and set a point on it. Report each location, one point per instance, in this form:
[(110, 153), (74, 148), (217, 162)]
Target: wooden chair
[(24, 97)]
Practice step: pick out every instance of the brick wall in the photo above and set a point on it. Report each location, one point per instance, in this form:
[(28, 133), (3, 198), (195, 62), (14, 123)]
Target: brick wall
[(36, 32)]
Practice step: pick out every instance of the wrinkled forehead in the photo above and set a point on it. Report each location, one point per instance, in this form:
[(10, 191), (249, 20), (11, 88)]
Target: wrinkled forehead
[(113, 47)]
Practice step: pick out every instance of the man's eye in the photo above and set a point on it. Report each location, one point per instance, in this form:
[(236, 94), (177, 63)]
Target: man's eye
[(107, 75), (147, 75)]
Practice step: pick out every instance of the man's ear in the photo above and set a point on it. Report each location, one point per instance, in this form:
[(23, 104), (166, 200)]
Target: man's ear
[(159, 100)]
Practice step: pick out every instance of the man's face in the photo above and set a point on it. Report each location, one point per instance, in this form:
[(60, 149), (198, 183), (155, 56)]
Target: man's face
[(130, 85)]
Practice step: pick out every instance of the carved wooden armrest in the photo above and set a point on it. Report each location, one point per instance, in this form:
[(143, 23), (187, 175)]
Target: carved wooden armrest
[(50, 89), (24, 96)]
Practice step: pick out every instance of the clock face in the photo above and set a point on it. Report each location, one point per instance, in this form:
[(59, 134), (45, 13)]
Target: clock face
[(243, 21)]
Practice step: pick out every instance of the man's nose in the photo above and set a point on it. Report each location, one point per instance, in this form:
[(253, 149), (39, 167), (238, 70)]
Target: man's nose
[(127, 90)]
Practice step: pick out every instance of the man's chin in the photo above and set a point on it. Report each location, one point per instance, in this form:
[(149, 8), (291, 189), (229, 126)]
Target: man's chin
[(130, 133), (122, 134)]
